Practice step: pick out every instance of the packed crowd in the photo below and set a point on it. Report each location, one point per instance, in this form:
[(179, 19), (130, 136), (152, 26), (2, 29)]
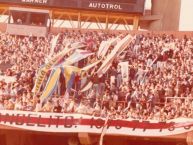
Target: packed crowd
[(160, 66)]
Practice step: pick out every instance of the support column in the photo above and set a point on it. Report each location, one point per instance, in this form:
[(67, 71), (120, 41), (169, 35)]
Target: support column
[(135, 23), (189, 138), (73, 141), (79, 21), (18, 138), (107, 22), (169, 10), (86, 139)]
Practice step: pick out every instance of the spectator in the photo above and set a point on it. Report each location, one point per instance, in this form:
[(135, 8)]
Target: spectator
[(57, 108), (160, 67)]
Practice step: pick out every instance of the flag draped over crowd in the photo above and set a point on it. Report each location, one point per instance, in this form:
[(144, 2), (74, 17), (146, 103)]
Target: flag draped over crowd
[(77, 56), (51, 84), (44, 70), (105, 45), (108, 51), (120, 47)]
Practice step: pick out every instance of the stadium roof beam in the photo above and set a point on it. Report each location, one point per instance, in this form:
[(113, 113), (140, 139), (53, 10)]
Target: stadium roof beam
[(117, 26), (79, 21), (135, 23), (125, 26), (114, 22), (104, 20), (71, 21), (98, 23), (124, 19), (96, 17), (3, 11), (107, 22), (55, 20), (61, 23), (82, 24), (89, 25)]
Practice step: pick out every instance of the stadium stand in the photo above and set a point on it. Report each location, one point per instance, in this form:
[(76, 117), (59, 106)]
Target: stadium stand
[(160, 67)]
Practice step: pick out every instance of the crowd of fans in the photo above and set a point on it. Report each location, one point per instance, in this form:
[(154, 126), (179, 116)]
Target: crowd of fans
[(160, 66)]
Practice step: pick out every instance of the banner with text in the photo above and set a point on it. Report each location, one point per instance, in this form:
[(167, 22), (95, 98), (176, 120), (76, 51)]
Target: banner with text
[(75, 123)]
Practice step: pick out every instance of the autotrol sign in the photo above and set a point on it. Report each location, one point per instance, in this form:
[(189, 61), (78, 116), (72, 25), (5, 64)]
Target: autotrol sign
[(108, 6), (128, 6)]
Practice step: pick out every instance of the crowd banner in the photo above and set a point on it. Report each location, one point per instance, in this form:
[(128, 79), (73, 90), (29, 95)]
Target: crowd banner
[(101, 47), (120, 47), (51, 84), (86, 87), (76, 123), (69, 74), (51, 63), (77, 56), (86, 68), (43, 71), (105, 45)]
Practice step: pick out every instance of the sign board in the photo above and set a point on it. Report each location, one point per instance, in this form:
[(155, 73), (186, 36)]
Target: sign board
[(128, 6)]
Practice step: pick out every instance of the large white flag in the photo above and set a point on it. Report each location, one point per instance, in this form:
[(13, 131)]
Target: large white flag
[(86, 87), (105, 45), (119, 48), (77, 56), (86, 68), (101, 48)]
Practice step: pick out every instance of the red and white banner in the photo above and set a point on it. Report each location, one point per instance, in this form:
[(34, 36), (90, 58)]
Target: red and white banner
[(75, 123)]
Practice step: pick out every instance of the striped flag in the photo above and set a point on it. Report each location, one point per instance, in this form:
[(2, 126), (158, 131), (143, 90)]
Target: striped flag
[(44, 70), (51, 84), (50, 65), (69, 74)]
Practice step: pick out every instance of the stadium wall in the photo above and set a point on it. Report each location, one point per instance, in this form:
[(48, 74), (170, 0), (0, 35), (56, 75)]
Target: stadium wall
[(178, 34), (169, 10), (3, 27)]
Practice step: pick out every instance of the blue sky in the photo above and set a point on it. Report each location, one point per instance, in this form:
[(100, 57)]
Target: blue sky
[(186, 15)]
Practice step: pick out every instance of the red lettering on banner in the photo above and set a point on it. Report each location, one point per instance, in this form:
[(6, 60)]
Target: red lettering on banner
[(47, 121)]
